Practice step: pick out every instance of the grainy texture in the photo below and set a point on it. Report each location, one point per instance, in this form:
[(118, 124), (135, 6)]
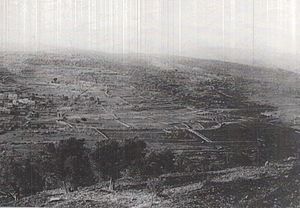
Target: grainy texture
[(149, 103)]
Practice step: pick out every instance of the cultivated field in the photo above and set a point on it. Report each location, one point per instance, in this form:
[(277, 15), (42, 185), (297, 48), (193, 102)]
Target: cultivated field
[(210, 112)]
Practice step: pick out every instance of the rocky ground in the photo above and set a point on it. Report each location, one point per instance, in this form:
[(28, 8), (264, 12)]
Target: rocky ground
[(273, 185)]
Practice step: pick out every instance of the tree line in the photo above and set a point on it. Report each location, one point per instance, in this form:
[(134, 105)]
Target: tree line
[(70, 164)]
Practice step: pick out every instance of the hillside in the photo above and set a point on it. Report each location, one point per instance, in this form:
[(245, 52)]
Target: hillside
[(276, 184), (217, 115)]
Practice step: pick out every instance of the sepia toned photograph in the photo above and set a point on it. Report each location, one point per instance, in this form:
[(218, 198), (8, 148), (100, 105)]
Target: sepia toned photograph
[(150, 103)]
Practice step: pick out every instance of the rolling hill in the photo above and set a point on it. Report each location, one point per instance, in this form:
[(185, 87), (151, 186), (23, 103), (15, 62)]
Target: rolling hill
[(204, 110)]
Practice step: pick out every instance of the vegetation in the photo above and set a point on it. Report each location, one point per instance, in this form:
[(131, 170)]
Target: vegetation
[(108, 159), (224, 105), (158, 163), (19, 179), (112, 158), (70, 164), (134, 153)]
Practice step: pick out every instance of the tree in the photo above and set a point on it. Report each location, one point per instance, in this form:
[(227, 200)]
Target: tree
[(183, 163), (20, 178), (10, 178), (32, 181), (108, 158), (134, 152), (158, 163), (72, 163), (240, 158)]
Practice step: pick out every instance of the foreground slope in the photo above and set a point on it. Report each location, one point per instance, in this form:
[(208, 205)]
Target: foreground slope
[(275, 185)]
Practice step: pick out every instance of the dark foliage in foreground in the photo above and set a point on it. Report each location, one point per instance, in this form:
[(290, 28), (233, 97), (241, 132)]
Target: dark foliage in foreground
[(108, 158), (70, 164), (113, 158), (18, 179), (158, 163), (134, 152)]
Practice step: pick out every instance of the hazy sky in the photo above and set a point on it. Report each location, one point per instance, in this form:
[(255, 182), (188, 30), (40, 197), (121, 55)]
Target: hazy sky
[(231, 28)]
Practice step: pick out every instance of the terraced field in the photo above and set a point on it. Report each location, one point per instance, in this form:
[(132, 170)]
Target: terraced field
[(195, 107)]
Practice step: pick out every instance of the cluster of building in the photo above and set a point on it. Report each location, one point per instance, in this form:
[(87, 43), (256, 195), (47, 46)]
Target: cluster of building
[(10, 101)]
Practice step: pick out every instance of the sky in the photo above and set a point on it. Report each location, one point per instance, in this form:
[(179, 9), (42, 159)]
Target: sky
[(235, 30)]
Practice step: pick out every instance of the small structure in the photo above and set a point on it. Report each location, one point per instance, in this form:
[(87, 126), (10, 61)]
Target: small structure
[(15, 102), (5, 110), (12, 96), (26, 101), (3, 96), (61, 115)]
